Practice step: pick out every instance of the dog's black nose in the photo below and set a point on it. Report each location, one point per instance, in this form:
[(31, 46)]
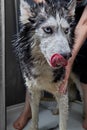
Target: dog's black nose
[(66, 55)]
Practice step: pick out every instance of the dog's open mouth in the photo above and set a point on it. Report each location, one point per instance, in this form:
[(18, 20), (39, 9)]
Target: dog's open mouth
[(58, 60)]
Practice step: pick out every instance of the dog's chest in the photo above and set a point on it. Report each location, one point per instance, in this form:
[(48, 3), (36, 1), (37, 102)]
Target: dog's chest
[(43, 79)]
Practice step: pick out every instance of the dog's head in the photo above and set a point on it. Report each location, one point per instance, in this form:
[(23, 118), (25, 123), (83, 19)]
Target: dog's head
[(51, 24)]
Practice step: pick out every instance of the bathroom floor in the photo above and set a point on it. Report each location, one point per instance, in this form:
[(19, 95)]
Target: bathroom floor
[(48, 121)]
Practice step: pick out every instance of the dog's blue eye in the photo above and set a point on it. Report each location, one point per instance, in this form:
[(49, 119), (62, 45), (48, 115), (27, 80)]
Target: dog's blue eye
[(66, 30), (48, 30)]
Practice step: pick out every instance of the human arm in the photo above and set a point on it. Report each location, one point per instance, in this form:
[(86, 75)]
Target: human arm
[(80, 37)]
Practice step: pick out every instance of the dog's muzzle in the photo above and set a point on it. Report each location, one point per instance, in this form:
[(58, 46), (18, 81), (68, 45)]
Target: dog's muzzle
[(57, 60)]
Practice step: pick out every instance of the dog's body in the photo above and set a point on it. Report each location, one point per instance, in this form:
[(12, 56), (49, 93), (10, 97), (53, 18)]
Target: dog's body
[(46, 34)]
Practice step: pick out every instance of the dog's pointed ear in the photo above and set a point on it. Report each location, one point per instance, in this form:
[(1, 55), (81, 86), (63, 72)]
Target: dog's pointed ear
[(25, 12), (71, 7)]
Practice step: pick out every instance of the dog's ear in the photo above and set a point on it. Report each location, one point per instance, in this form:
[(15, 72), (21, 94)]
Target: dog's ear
[(71, 7), (25, 12)]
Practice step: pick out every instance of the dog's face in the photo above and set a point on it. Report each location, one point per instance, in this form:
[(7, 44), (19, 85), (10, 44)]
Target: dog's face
[(51, 24)]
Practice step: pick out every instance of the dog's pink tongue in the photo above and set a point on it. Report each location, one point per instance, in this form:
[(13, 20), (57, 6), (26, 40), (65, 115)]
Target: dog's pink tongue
[(58, 59)]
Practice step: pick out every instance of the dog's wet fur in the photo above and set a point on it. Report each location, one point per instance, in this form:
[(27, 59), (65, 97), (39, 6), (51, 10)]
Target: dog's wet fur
[(45, 29)]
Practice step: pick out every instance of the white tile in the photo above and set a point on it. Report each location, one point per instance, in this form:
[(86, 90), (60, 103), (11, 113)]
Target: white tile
[(47, 120)]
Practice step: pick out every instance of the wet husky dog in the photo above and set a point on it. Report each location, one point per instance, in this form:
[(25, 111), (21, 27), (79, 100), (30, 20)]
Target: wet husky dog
[(44, 45)]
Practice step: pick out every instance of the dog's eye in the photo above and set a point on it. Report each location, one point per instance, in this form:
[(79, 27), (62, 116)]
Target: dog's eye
[(48, 30), (66, 30)]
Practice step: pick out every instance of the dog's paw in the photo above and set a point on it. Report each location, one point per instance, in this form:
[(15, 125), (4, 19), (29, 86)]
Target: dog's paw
[(55, 111), (33, 128)]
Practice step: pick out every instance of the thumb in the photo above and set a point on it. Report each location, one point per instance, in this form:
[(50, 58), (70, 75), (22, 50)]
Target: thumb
[(63, 87)]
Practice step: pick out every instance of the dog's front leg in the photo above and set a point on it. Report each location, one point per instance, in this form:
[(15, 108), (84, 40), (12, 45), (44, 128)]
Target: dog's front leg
[(62, 101), (34, 102)]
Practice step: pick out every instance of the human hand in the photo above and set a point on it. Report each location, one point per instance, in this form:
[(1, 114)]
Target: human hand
[(63, 86)]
